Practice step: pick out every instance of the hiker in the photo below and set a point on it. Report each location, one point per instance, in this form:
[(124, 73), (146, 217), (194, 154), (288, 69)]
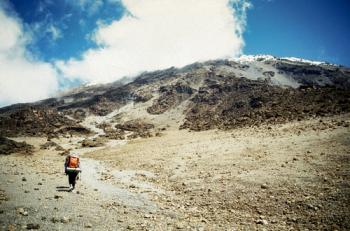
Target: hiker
[(72, 169)]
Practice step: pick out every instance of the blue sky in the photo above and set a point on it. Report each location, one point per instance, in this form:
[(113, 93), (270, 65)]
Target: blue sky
[(51, 45), (75, 20), (311, 29)]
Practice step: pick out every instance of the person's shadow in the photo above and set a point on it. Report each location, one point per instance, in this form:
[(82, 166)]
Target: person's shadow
[(63, 189)]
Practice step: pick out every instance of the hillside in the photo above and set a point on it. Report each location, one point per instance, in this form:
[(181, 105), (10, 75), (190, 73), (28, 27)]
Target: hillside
[(215, 94), (247, 144)]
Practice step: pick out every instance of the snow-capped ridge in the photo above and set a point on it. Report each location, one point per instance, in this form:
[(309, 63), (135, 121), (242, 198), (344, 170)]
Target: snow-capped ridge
[(255, 58), (294, 59)]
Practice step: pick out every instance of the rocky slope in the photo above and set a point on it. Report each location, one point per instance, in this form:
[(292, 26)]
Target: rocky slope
[(37, 120), (270, 151), (217, 94)]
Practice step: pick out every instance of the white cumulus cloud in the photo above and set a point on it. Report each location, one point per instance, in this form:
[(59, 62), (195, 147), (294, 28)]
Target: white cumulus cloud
[(159, 34), (22, 78)]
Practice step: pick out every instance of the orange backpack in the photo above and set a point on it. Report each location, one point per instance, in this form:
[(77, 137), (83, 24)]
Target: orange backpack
[(73, 162)]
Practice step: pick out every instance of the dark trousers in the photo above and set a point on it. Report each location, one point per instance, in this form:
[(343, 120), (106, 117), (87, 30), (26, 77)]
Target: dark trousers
[(72, 177)]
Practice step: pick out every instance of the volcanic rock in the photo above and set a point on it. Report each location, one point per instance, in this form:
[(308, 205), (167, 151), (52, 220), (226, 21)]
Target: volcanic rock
[(170, 96), (8, 146)]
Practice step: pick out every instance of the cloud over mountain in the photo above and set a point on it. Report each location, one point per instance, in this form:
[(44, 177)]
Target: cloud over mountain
[(157, 34), (151, 35)]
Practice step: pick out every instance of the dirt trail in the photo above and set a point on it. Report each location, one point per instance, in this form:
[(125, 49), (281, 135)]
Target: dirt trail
[(291, 176), (96, 182), (95, 173)]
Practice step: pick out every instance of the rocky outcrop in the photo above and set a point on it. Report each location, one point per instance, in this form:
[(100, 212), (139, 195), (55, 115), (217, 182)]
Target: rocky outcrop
[(8, 146), (96, 142), (269, 74), (170, 96), (316, 75), (72, 130), (135, 125), (227, 103), (115, 134), (142, 96), (50, 144), (110, 132), (36, 121), (136, 128)]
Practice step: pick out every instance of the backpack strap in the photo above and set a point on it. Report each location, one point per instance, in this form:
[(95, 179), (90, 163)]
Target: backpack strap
[(68, 162)]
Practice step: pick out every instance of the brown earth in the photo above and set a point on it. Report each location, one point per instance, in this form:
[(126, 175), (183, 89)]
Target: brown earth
[(276, 177), (8, 146)]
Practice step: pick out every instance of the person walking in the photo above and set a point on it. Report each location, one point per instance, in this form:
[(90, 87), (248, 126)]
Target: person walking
[(72, 169)]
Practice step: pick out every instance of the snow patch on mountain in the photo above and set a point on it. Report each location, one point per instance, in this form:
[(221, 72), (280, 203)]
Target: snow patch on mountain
[(259, 58)]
